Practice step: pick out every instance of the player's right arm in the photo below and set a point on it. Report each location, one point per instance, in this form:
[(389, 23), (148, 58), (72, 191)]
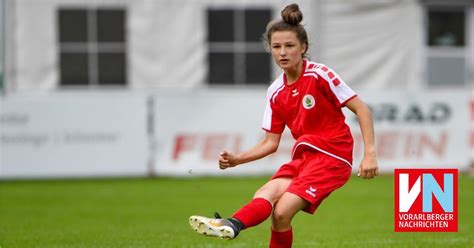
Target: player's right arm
[(268, 145)]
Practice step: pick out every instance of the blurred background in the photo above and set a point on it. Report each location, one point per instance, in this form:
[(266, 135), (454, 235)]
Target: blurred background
[(146, 88), (136, 98)]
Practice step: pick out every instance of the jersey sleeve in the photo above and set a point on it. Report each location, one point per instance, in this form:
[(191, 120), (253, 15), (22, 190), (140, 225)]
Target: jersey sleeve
[(272, 121), (337, 86)]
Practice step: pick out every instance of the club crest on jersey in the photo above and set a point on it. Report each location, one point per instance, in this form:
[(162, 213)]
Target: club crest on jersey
[(308, 101)]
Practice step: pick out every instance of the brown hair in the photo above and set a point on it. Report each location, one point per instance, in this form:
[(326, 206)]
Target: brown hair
[(291, 18)]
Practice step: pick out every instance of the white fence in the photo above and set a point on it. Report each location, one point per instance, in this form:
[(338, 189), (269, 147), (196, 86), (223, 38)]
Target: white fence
[(182, 133)]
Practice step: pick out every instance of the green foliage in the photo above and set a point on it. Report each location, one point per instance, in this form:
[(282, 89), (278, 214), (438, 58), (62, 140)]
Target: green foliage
[(154, 213)]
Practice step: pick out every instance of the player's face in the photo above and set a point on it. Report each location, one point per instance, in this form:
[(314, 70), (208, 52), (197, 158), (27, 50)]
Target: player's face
[(286, 49)]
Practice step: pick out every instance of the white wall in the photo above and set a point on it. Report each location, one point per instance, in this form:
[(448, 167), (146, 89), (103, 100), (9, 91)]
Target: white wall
[(2, 23), (372, 44)]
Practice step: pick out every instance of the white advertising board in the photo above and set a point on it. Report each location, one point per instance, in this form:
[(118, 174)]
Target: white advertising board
[(193, 128), (73, 135), (417, 130), (412, 130), (104, 134)]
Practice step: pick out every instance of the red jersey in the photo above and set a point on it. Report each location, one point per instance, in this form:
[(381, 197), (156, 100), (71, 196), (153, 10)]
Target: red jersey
[(311, 108)]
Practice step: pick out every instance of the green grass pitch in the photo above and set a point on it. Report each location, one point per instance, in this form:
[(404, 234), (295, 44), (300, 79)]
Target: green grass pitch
[(154, 213)]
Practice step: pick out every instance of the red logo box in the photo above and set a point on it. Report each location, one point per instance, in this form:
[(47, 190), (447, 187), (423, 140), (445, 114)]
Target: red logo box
[(426, 200)]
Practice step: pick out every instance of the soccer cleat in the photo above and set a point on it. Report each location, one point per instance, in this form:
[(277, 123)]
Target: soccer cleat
[(217, 227)]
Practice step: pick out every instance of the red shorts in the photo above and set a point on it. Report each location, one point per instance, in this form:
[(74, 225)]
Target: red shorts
[(315, 175)]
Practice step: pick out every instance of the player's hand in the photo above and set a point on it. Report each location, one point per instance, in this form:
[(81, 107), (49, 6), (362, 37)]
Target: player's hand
[(368, 167), (227, 159)]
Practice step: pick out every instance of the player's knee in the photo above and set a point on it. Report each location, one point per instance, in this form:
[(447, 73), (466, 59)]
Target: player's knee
[(281, 217), (265, 193), (273, 190)]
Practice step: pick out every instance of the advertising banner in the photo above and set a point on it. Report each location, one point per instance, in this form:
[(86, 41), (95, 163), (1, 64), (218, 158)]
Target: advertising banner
[(193, 128), (424, 130), (413, 130), (73, 135)]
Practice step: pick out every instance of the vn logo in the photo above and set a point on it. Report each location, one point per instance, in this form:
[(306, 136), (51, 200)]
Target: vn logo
[(426, 200)]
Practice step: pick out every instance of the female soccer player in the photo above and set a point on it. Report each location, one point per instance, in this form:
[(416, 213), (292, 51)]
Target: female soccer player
[(307, 98)]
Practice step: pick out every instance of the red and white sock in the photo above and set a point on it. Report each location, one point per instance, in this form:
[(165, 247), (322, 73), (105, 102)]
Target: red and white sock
[(254, 213), (281, 239)]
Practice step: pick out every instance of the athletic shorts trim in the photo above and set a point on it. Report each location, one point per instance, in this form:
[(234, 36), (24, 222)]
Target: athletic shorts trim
[(319, 149)]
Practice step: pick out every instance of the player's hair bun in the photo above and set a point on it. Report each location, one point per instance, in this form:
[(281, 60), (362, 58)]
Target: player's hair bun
[(291, 14)]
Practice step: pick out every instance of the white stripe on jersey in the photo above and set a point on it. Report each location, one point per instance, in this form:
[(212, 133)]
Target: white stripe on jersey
[(277, 92), (342, 91), (311, 74), (272, 92)]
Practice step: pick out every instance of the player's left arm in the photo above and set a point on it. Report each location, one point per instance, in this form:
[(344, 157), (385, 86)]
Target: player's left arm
[(368, 167)]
